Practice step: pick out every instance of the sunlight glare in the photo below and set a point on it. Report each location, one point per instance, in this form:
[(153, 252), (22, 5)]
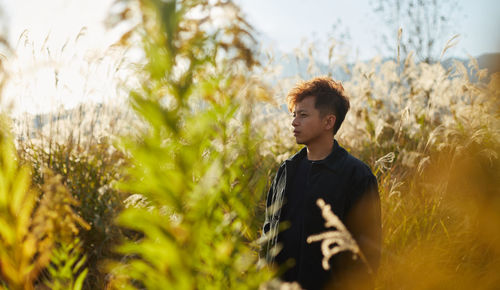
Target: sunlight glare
[(63, 55)]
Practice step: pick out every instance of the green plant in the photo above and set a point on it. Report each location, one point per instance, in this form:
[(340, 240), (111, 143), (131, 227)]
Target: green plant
[(87, 170), (65, 270), (197, 164), (30, 228), (21, 255)]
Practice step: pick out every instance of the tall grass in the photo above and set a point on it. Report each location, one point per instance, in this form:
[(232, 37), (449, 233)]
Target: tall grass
[(432, 136), (170, 194)]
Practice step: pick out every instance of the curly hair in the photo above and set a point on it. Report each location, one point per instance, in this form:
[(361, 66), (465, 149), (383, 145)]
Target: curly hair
[(330, 98)]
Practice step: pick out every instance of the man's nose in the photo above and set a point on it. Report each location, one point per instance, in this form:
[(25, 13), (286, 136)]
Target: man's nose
[(295, 123)]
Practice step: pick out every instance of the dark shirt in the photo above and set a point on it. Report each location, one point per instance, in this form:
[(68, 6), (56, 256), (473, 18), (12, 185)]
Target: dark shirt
[(350, 188), (292, 216)]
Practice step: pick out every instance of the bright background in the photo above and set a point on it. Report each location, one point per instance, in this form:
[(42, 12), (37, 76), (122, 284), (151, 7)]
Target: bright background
[(85, 68)]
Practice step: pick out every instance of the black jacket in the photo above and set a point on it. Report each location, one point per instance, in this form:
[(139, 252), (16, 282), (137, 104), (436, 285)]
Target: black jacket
[(348, 185)]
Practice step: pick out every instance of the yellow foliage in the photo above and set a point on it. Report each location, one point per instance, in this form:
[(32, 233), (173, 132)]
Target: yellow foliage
[(28, 231)]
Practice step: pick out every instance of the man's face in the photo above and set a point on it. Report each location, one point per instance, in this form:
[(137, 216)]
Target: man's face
[(308, 126)]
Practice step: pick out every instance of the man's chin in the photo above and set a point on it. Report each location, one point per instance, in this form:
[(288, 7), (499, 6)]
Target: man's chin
[(299, 141)]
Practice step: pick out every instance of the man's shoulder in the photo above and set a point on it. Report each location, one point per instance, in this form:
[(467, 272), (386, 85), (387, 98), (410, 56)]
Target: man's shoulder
[(292, 158), (297, 155), (281, 168), (356, 167)]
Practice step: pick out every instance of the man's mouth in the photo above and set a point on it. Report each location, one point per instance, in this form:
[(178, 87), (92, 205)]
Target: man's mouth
[(295, 132)]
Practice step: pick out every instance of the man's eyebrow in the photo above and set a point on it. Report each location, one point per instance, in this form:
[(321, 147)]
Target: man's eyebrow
[(300, 111)]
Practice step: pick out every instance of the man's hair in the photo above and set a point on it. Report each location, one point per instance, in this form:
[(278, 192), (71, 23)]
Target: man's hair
[(329, 98)]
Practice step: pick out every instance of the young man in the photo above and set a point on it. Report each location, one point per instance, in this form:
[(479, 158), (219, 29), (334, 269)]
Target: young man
[(322, 169)]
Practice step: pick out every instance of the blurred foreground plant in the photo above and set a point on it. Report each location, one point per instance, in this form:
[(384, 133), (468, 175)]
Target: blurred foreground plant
[(21, 257), (30, 230), (197, 165), (66, 270)]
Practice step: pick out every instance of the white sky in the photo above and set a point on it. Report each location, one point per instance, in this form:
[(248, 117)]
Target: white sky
[(85, 72), (63, 19), (285, 22), (65, 69)]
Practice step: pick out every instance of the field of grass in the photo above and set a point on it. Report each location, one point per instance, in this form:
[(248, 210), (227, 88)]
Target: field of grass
[(168, 193)]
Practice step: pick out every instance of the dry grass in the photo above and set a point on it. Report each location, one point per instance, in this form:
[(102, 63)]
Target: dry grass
[(431, 135)]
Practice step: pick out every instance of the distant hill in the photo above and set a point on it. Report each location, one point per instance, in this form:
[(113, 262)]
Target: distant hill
[(491, 61), (292, 67)]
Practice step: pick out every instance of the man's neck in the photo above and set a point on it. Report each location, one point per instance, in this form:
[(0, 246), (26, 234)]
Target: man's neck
[(320, 150)]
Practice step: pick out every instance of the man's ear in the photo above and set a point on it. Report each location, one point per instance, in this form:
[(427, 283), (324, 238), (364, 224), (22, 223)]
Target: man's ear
[(330, 121)]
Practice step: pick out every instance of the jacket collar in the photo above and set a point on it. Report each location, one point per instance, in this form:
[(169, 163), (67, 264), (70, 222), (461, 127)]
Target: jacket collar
[(332, 161)]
